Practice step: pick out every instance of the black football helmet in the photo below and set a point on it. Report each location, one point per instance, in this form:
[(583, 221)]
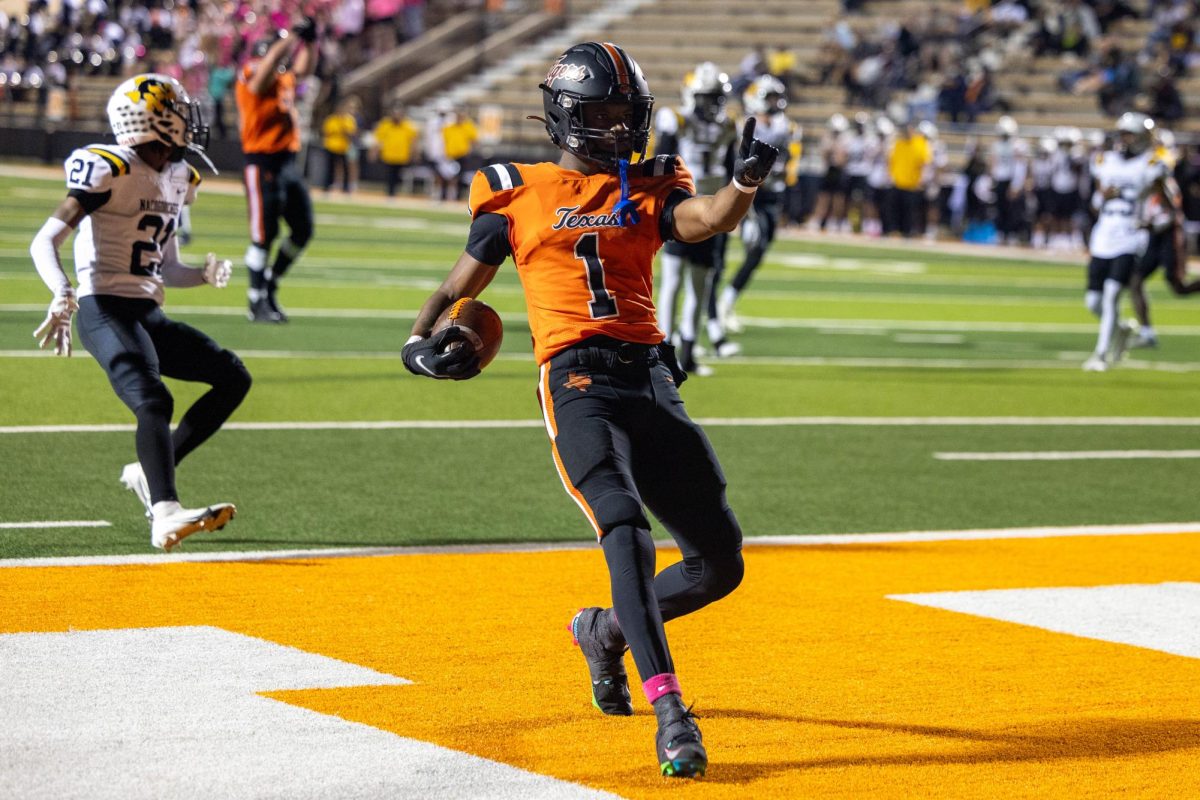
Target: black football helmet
[(593, 73)]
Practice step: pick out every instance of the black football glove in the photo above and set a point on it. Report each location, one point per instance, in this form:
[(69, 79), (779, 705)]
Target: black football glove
[(306, 29), (755, 158), (430, 357)]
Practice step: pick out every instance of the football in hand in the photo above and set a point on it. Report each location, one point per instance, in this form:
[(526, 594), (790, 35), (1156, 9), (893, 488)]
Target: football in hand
[(480, 324)]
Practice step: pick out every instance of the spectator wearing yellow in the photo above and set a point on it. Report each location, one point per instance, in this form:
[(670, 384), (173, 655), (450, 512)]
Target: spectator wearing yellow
[(338, 135), (907, 165), (458, 140), (395, 145)]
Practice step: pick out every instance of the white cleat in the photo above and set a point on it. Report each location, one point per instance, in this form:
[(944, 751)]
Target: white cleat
[(133, 478), (1142, 339), (1097, 363), (173, 523), (727, 349)]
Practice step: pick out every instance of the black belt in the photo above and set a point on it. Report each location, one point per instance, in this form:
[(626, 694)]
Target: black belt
[(605, 351)]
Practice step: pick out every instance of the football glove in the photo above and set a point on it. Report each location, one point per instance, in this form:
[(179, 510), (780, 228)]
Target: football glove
[(306, 29), (217, 271), (57, 326), (755, 158), (433, 357)]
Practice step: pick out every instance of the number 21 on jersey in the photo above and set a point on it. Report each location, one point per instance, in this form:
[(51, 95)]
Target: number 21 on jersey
[(160, 232)]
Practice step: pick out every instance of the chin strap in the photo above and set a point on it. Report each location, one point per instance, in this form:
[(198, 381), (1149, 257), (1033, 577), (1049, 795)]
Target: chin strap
[(625, 209), (191, 148)]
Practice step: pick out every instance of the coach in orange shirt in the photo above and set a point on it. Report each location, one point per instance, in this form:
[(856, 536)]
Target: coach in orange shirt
[(583, 233), (270, 129)]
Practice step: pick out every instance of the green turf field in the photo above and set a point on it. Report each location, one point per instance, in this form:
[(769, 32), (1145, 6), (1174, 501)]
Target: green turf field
[(836, 331)]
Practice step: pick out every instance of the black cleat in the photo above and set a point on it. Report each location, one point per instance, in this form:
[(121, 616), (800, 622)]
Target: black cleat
[(606, 663), (261, 311), (273, 304), (679, 744)]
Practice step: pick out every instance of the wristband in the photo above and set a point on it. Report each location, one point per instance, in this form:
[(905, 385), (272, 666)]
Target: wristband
[(744, 189), (413, 338)]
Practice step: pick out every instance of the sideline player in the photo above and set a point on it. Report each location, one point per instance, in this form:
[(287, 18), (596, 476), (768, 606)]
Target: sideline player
[(126, 202), (270, 127), (1162, 218), (1123, 178), (765, 101), (702, 134), (583, 233)]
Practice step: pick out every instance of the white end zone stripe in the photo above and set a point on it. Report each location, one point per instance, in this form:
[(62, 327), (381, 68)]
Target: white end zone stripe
[(177, 557)]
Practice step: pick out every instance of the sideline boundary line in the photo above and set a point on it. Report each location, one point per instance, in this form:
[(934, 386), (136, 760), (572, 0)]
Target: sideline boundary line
[(717, 422), (833, 539)]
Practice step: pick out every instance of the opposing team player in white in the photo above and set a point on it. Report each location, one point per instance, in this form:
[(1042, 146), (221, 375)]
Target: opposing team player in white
[(1123, 177), (126, 201), (702, 134), (765, 100)]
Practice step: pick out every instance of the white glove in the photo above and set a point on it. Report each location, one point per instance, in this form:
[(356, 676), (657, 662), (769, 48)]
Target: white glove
[(217, 271), (57, 327)]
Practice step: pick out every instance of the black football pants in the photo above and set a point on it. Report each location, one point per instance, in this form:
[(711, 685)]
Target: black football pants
[(137, 344), (623, 442)]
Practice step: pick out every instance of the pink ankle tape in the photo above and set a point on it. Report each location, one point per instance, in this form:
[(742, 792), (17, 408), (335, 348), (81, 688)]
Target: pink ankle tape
[(659, 685)]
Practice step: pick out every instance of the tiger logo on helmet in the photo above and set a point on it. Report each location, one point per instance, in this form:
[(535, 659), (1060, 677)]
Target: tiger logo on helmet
[(156, 108)]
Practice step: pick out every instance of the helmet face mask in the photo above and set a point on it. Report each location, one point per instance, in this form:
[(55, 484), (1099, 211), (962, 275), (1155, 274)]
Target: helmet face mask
[(156, 108), (591, 84)]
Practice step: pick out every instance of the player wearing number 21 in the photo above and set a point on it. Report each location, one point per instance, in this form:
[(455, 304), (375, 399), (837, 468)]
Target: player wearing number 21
[(125, 201), (583, 233)]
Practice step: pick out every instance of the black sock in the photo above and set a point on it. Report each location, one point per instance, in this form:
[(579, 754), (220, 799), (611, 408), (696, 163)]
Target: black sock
[(630, 554), (154, 449)]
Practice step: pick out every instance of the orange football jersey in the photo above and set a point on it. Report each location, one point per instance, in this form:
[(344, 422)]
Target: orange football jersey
[(269, 122), (583, 274)]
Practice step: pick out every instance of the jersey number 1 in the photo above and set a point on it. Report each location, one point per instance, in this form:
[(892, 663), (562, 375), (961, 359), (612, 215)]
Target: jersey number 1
[(587, 249)]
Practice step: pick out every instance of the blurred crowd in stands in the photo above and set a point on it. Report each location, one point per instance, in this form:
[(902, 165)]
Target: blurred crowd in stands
[(199, 42), (916, 72), (1008, 189)]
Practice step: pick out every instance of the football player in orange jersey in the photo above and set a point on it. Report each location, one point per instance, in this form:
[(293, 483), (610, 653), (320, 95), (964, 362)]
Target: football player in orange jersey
[(583, 233), (270, 130)]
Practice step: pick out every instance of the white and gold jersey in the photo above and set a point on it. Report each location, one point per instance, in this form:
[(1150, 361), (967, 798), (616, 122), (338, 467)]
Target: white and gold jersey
[(702, 145), (133, 213), (1118, 231)]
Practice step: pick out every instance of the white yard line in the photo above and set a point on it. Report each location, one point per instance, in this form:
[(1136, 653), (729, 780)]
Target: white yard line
[(848, 539), (725, 422), (1069, 455), (821, 325), (66, 523), (1068, 361)]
